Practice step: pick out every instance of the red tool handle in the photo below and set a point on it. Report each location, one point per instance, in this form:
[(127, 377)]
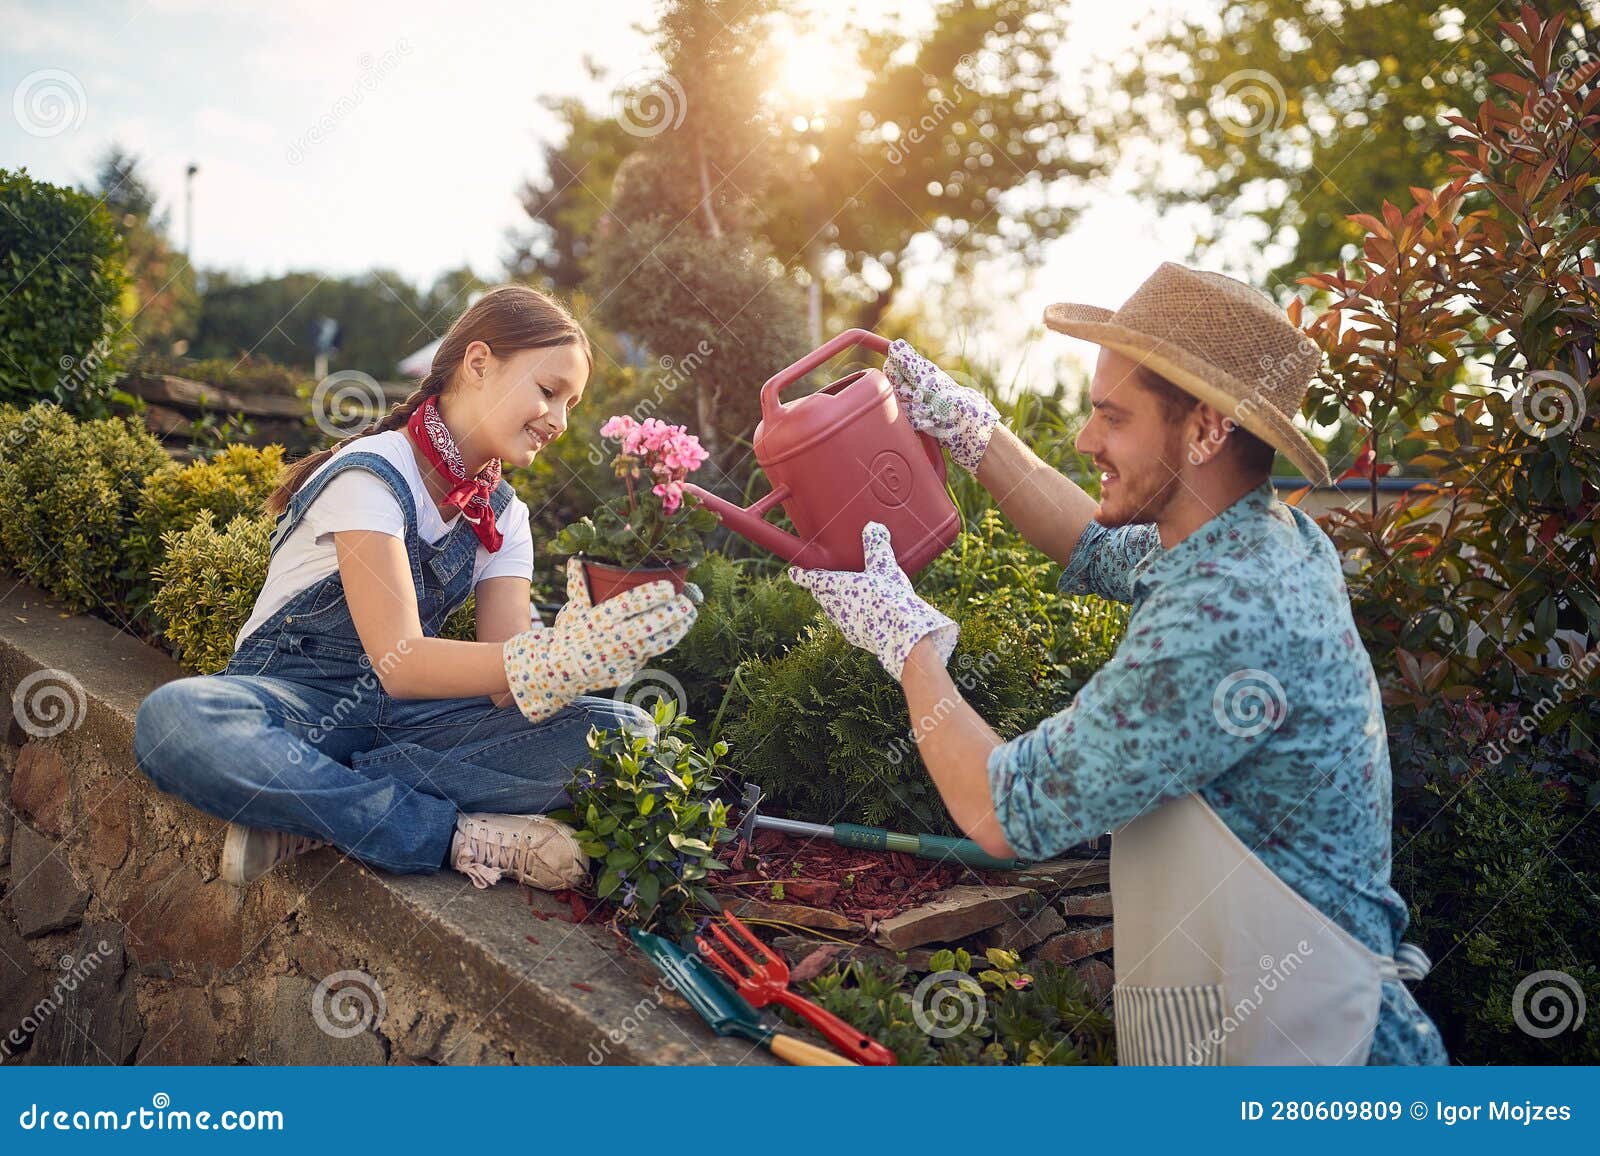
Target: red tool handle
[(787, 377), (861, 1048)]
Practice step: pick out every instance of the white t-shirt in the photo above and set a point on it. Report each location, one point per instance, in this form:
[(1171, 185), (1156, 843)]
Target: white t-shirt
[(359, 500)]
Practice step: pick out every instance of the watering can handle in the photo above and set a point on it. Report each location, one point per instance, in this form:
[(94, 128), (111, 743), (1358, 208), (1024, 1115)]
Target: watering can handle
[(778, 382)]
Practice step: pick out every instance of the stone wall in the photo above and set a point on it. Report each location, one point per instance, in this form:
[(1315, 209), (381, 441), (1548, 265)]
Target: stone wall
[(119, 944)]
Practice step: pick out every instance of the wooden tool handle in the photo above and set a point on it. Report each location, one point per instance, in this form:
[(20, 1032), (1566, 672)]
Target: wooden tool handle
[(793, 1051)]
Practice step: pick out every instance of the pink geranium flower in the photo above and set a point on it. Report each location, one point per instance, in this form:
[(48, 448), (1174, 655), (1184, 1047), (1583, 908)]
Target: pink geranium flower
[(668, 452)]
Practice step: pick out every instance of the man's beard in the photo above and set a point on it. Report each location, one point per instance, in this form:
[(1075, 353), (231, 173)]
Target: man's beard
[(1140, 497)]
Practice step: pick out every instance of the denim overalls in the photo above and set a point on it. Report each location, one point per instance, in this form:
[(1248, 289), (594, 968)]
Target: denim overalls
[(297, 734)]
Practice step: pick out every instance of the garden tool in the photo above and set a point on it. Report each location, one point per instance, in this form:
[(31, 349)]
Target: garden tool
[(766, 983), (838, 459), (721, 1007), (939, 847)]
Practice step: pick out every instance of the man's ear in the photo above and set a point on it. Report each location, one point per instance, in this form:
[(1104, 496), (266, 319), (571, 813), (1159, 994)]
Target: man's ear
[(1206, 431)]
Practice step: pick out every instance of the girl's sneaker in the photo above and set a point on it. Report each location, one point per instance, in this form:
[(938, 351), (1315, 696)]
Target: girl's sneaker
[(250, 852), (533, 849)]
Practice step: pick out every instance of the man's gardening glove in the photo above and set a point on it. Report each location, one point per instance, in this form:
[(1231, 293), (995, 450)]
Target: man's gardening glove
[(591, 647), (876, 608), (961, 418)]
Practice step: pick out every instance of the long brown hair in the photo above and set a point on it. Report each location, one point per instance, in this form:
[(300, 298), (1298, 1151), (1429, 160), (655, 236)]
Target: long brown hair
[(507, 318)]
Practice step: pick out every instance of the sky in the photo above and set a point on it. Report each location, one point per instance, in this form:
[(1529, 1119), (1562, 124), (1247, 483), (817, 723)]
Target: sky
[(343, 137)]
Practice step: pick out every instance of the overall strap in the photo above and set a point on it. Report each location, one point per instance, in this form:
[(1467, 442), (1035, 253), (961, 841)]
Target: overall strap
[(355, 460)]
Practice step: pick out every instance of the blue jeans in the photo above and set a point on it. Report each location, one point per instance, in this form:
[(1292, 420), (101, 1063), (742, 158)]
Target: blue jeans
[(340, 760)]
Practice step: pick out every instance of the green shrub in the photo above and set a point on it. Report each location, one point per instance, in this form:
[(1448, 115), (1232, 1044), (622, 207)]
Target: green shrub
[(463, 624), (69, 490), (1002, 1015), (992, 569), (61, 288), (207, 586), (235, 481), (744, 617), (1499, 857), (825, 731), (645, 813)]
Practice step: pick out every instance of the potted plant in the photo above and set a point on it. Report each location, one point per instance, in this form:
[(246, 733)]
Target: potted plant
[(654, 530)]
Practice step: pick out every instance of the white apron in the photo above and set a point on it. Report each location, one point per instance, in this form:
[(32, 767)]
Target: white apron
[(1218, 961)]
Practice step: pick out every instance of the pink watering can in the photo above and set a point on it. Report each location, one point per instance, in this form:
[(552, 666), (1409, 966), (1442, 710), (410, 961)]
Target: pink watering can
[(838, 459)]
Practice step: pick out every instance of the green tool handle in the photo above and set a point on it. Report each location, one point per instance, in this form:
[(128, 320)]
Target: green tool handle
[(923, 846)]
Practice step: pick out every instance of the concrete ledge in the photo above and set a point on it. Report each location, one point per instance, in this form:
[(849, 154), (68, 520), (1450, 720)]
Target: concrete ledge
[(119, 944)]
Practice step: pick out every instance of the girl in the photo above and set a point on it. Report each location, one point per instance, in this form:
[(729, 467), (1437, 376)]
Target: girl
[(342, 718)]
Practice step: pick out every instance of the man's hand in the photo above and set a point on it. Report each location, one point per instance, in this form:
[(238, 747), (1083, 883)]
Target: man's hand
[(961, 418), (876, 608)]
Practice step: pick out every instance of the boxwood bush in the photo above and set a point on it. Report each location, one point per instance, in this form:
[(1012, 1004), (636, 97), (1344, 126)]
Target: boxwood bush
[(207, 585), (233, 482), (69, 490), (61, 289)]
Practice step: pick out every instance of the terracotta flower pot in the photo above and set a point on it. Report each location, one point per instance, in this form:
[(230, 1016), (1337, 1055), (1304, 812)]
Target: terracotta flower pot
[(607, 581)]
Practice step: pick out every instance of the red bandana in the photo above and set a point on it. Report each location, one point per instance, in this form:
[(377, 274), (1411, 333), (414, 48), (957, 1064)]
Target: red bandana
[(470, 495)]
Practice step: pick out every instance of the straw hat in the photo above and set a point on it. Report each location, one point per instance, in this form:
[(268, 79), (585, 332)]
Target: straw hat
[(1219, 340)]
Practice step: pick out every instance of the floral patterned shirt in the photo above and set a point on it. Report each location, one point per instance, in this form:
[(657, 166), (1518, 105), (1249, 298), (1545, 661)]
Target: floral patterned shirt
[(1241, 677)]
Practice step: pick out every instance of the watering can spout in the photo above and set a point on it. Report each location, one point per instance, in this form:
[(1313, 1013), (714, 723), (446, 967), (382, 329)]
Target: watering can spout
[(750, 522)]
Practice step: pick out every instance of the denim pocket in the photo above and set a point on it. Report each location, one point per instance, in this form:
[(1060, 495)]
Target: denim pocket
[(252, 657)]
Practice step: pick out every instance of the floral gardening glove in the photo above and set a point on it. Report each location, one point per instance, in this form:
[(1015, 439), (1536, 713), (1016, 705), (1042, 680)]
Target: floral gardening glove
[(591, 647), (961, 418), (876, 608)]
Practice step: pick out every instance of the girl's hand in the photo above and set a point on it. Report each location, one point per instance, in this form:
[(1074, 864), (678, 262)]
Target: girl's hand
[(876, 608), (961, 418), (592, 647)]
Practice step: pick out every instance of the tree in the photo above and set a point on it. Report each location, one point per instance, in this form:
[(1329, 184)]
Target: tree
[(1297, 115), (383, 317), (568, 201), (165, 302), (677, 262), (956, 136)]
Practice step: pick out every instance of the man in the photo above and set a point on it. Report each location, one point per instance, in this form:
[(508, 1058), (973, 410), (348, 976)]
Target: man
[(1234, 744)]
